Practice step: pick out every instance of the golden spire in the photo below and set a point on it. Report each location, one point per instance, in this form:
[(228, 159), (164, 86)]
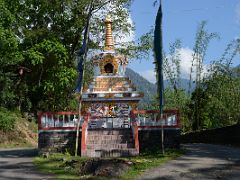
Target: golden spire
[(109, 45)]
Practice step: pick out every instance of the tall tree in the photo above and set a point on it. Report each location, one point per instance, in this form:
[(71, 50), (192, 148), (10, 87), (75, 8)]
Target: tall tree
[(203, 38), (46, 37), (10, 58)]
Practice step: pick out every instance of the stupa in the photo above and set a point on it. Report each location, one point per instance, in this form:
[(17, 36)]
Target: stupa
[(111, 95), (112, 127)]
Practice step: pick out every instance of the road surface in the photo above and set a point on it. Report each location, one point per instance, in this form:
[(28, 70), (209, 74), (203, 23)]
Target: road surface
[(16, 164), (201, 162)]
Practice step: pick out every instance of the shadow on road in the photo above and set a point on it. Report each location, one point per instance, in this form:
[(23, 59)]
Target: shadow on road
[(17, 153), (16, 164)]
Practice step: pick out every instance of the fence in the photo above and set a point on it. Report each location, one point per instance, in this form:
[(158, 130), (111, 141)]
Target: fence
[(152, 119), (144, 119), (58, 120)]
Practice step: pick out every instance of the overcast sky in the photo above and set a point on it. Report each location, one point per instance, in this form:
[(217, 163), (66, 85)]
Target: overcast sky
[(180, 21)]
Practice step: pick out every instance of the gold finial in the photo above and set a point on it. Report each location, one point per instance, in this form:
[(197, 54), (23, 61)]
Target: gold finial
[(109, 45)]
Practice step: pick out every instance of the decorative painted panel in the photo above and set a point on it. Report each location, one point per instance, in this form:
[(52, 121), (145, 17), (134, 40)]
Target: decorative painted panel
[(109, 109)]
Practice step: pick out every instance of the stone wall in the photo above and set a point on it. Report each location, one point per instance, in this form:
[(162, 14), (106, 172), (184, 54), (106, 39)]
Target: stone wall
[(62, 141), (110, 143), (229, 135), (150, 139), (58, 141)]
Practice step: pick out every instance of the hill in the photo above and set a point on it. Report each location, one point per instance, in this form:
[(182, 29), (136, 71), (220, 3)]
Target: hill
[(149, 89), (23, 131)]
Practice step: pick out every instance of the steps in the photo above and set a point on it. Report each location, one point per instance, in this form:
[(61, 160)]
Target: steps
[(110, 143)]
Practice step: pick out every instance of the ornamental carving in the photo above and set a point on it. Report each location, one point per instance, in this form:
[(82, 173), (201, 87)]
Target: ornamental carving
[(105, 62)]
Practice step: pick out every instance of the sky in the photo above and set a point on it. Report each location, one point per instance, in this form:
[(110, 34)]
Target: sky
[(180, 21)]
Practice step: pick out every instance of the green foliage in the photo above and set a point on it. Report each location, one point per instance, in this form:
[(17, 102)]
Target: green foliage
[(171, 65), (42, 38), (197, 113), (9, 58), (52, 75), (224, 102), (202, 41), (215, 100), (139, 50), (7, 120)]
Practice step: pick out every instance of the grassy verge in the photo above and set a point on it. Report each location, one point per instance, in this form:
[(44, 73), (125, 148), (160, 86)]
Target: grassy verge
[(13, 145), (24, 134), (61, 166), (149, 160)]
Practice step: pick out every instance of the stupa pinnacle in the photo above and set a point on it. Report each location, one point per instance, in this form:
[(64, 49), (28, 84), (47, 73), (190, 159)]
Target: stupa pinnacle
[(109, 44)]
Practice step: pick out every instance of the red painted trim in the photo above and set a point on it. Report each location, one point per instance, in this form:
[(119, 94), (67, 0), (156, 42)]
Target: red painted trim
[(154, 111), (60, 113), (136, 141), (39, 120), (133, 118), (156, 127), (84, 135), (178, 119), (59, 128), (97, 117)]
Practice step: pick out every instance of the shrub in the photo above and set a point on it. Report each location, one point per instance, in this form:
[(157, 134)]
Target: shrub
[(7, 119)]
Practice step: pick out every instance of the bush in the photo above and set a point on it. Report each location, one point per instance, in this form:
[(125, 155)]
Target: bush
[(7, 119)]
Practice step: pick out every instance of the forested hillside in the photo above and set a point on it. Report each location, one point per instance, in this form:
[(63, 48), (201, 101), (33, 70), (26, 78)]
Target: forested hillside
[(149, 89), (143, 85)]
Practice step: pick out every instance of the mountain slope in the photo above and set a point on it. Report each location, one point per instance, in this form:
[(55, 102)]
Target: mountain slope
[(143, 85), (149, 89)]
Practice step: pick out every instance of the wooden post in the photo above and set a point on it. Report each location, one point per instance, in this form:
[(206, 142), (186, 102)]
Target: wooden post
[(84, 46), (162, 131)]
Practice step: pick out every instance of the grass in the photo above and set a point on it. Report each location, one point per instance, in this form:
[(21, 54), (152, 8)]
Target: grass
[(24, 134), (11, 145), (56, 164), (149, 160)]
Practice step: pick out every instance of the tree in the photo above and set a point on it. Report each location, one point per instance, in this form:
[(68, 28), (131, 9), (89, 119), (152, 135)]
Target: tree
[(202, 40), (44, 38), (215, 102), (10, 57)]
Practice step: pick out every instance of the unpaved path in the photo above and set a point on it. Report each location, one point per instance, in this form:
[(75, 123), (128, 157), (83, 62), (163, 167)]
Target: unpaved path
[(202, 161), (16, 164)]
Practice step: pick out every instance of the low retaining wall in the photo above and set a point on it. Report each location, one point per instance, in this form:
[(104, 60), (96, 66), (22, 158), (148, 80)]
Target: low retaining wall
[(58, 141), (64, 141), (229, 135), (151, 139)]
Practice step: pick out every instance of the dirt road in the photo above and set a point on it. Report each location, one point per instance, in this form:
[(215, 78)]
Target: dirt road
[(16, 164), (202, 161)]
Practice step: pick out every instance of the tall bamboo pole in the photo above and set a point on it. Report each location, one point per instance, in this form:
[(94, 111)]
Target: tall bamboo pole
[(82, 59)]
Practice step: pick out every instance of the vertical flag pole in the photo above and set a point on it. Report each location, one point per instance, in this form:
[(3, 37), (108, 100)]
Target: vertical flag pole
[(158, 51)]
